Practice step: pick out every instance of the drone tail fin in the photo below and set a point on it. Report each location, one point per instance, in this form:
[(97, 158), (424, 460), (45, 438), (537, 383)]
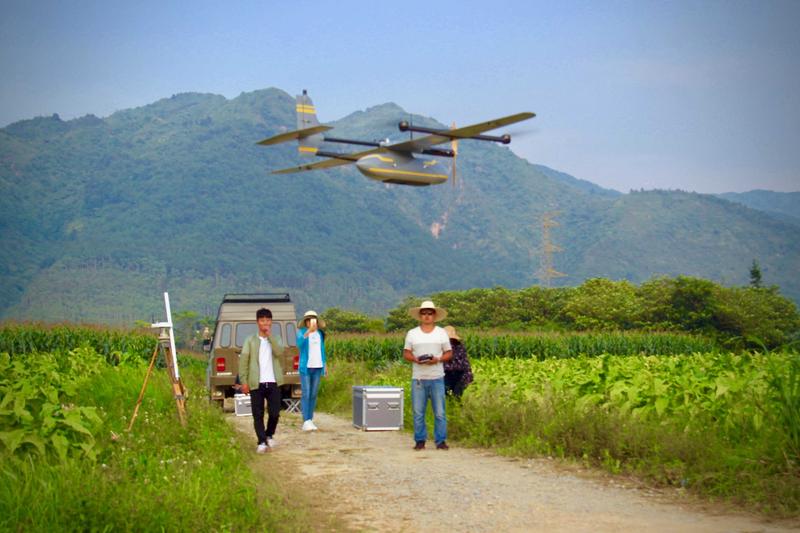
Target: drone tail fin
[(306, 119), (309, 131), (306, 113)]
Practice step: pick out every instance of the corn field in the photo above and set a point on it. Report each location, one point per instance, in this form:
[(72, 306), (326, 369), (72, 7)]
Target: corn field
[(17, 339), (377, 350)]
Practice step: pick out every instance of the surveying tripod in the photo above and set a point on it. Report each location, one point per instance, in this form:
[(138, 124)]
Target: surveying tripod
[(165, 346)]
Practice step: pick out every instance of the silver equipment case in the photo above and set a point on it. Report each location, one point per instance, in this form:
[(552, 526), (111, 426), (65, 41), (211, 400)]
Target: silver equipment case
[(377, 407), (241, 403)]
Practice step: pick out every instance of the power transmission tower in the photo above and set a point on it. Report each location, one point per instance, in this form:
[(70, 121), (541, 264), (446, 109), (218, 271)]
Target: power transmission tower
[(546, 272)]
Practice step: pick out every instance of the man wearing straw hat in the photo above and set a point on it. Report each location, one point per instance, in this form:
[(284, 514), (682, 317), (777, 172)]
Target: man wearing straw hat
[(427, 347)]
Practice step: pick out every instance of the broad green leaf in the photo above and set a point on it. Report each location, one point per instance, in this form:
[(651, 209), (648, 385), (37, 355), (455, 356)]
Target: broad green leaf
[(12, 439), (722, 386), (60, 444), (20, 410), (72, 420), (36, 440), (661, 404)]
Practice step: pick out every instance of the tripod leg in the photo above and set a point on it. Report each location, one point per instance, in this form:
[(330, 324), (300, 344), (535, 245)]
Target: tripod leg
[(178, 390), (180, 399), (144, 386)]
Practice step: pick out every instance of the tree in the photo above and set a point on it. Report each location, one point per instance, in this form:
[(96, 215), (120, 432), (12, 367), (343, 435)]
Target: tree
[(184, 323), (602, 304), (757, 316), (755, 275), (343, 320), (692, 304), (399, 319)]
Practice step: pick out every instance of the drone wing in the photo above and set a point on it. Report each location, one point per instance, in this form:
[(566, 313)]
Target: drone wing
[(443, 136), (419, 144), (294, 135), (337, 161)]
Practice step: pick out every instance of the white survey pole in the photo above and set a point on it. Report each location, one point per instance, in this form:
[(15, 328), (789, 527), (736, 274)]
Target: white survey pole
[(168, 326), (171, 337)]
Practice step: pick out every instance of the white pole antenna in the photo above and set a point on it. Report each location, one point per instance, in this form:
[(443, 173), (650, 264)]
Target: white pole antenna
[(168, 326)]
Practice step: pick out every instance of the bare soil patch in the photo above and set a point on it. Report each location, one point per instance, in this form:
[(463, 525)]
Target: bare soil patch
[(370, 481)]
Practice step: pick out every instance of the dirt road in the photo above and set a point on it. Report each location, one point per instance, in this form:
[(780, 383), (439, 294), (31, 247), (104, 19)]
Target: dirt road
[(374, 481)]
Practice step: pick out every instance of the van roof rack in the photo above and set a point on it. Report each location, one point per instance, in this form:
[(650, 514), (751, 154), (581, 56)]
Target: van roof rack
[(249, 297)]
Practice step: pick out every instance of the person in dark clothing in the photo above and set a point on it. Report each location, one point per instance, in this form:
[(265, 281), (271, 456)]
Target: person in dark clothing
[(457, 371)]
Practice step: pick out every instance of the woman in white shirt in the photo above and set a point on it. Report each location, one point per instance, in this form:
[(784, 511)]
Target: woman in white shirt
[(311, 343)]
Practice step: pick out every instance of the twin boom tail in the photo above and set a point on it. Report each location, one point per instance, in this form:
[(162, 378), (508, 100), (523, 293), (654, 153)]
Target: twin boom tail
[(309, 131)]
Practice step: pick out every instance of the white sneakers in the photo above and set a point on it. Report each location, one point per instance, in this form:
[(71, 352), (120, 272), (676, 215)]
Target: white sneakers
[(264, 448), (308, 425)]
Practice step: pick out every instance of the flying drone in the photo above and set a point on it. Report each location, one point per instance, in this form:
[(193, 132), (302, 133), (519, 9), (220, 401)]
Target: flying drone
[(385, 162)]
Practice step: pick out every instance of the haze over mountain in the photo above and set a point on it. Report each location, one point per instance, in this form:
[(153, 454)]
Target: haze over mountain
[(783, 205), (99, 216)]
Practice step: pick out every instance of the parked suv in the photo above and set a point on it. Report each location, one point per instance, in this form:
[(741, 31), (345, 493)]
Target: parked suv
[(236, 320)]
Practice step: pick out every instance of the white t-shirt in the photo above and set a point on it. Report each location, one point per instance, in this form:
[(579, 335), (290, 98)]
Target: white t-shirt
[(266, 374), (315, 350), (435, 343)]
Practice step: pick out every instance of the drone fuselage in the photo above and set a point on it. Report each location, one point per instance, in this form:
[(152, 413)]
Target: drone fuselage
[(403, 168)]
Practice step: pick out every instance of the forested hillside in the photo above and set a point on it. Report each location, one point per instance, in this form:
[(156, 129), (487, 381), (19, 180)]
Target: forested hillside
[(99, 215), (784, 205)]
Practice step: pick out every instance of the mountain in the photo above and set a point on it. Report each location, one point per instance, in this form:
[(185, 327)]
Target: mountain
[(782, 205), (98, 216), (572, 181)]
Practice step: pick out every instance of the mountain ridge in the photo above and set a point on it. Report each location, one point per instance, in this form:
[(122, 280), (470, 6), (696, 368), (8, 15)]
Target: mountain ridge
[(782, 205), (101, 214)]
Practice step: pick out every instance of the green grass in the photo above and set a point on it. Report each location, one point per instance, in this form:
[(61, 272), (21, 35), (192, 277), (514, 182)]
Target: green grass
[(704, 460), (720, 424), (728, 431), (160, 476)]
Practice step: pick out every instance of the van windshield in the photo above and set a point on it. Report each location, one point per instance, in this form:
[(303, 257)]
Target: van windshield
[(243, 331), (277, 332)]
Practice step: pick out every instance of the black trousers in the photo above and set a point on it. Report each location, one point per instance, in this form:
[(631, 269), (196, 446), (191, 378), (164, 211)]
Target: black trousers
[(272, 394), (452, 382)]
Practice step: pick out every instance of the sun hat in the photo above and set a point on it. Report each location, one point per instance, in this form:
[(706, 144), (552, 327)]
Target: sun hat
[(441, 313), (451, 333), (311, 314)]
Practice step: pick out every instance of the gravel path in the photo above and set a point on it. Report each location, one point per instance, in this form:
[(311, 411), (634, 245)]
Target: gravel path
[(374, 481)]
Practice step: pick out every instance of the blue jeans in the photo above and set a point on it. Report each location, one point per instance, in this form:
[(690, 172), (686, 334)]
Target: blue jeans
[(309, 382), (421, 390)]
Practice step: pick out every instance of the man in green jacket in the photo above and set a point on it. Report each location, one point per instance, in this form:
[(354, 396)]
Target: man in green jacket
[(261, 376)]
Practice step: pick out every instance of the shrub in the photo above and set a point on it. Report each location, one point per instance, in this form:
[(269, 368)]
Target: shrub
[(351, 321)]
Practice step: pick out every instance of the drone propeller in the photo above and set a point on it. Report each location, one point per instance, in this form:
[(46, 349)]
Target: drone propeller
[(523, 132), (454, 147)]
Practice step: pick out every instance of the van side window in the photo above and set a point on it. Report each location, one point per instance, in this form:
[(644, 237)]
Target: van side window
[(225, 336), (277, 333), (243, 331), (291, 334)]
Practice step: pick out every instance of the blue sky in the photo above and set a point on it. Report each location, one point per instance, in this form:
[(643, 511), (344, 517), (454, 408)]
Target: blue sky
[(701, 96)]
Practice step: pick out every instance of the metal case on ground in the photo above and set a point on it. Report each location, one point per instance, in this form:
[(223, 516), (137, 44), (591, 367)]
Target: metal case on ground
[(377, 407), (241, 405)]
